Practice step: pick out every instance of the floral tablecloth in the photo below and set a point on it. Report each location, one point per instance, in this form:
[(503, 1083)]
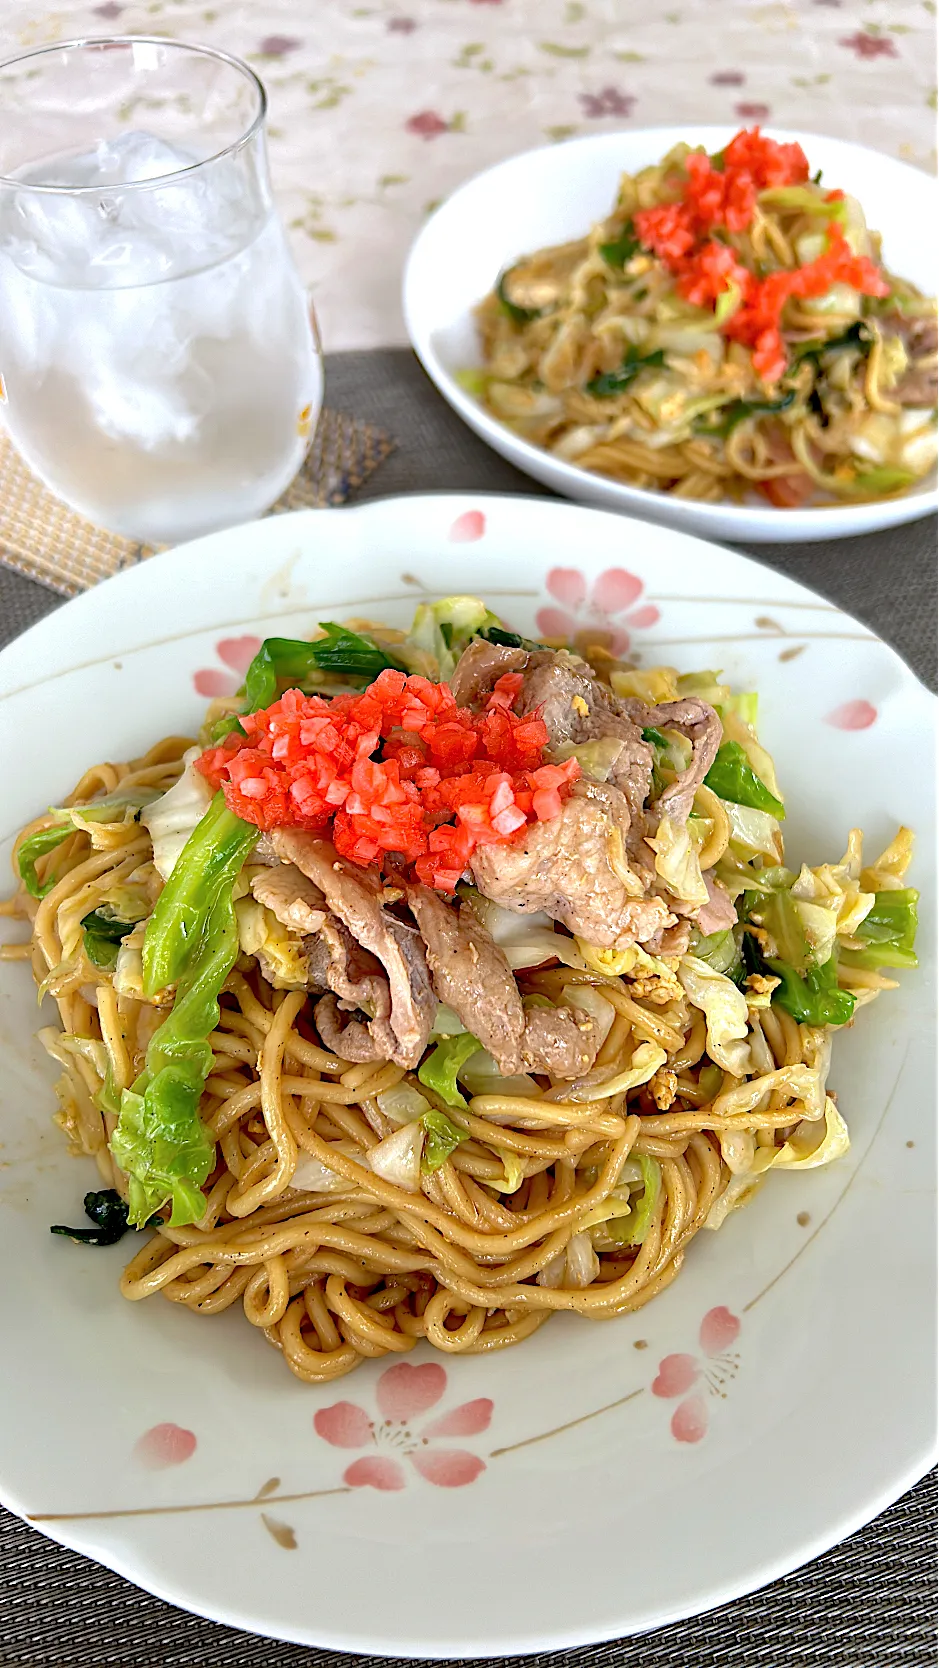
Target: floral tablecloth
[(379, 108)]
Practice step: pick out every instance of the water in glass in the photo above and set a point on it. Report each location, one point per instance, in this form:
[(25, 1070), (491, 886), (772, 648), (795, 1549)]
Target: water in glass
[(159, 363)]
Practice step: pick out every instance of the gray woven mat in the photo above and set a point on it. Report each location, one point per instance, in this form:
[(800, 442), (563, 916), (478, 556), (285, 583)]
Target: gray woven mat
[(869, 1603)]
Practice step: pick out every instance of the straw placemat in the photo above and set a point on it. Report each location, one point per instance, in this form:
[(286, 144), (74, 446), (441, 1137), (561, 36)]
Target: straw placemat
[(42, 538)]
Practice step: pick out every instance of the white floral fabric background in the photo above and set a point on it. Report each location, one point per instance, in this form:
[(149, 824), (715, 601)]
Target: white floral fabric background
[(380, 108)]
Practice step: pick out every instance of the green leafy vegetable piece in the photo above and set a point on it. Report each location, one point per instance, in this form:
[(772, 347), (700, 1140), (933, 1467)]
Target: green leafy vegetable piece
[(736, 411), (439, 1070), (211, 858), (817, 177), (507, 639), (880, 477), (474, 381), (654, 737), (857, 335), (442, 1138), (745, 705), (720, 951), (779, 913), (223, 727), (814, 999), (609, 383), (632, 1229), (889, 930), (804, 198), (290, 660), (103, 935), (727, 303), (160, 1140), (622, 248), (893, 919), (518, 315), (46, 839), (350, 654), (107, 1211), (732, 777), (192, 941)]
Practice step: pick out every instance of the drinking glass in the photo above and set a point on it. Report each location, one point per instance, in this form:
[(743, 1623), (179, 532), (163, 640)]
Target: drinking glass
[(160, 365)]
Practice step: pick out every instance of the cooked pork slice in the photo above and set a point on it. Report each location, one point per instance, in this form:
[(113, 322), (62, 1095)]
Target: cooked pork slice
[(672, 940), (355, 896), (576, 709), (479, 667), (471, 975), (291, 896), (718, 914), (917, 385), (566, 868), (351, 1039), (559, 1042), (699, 722)]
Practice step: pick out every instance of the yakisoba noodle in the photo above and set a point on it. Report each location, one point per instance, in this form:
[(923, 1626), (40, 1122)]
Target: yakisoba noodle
[(730, 326), (520, 1221)]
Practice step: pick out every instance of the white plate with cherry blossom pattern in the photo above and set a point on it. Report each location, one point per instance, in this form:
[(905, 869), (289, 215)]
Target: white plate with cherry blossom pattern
[(600, 1479), (558, 192)]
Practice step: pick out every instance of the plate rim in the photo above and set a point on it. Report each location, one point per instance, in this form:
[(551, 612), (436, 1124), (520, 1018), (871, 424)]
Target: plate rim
[(760, 523), (769, 1571)]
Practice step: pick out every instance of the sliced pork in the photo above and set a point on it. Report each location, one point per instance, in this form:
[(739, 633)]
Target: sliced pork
[(355, 896), (718, 914), (917, 385), (291, 896), (479, 668), (693, 718), (559, 1042), (472, 976), (573, 869), (575, 707)]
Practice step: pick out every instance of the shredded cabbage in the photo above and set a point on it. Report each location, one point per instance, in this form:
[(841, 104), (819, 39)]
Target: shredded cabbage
[(261, 934), (441, 630), (676, 862), (725, 1011), (525, 940), (590, 1001), (481, 1076), (397, 1158), (311, 1175), (173, 817), (402, 1103)]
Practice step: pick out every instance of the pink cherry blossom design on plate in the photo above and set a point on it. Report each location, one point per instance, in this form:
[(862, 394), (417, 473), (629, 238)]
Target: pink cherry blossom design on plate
[(718, 1332), (676, 1374), (375, 1472), (164, 1445), (235, 652), (689, 1422), (403, 1394), (853, 715), (608, 606), (719, 1329), (343, 1424), (468, 527)]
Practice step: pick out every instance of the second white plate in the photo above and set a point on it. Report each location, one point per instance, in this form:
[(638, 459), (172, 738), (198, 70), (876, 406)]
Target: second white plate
[(550, 195)]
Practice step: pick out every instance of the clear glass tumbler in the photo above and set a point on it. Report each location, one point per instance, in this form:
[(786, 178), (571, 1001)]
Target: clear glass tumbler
[(159, 359)]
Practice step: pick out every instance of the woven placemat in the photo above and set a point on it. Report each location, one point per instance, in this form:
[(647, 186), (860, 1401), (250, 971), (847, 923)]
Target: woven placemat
[(45, 540)]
